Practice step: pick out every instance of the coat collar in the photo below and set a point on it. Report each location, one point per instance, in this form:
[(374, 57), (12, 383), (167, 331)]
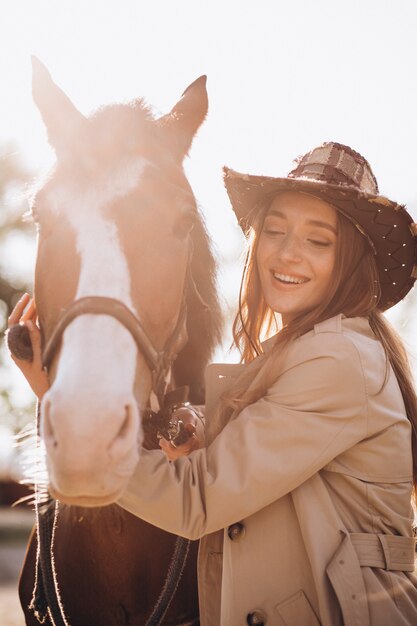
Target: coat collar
[(336, 324)]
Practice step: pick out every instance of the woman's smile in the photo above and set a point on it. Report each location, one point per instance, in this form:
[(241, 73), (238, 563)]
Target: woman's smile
[(286, 279)]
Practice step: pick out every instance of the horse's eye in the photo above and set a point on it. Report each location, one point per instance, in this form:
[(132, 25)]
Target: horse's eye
[(184, 225)]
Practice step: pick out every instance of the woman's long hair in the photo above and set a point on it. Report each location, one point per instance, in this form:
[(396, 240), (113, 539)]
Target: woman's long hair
[(353, 291)]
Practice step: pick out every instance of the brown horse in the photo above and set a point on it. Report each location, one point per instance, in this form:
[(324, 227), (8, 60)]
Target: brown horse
[(118, 228)]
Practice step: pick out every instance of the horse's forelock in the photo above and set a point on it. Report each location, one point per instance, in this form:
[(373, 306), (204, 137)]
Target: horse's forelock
[(131, 116), (113, 133)]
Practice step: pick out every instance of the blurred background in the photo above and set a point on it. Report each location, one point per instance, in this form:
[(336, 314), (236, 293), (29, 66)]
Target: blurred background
[(283, 76)]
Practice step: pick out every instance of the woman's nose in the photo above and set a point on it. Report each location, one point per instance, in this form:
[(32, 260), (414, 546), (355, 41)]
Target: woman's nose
[(290, 249)]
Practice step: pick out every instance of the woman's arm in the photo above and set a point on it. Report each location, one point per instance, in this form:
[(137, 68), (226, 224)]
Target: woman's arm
[(308, 418)]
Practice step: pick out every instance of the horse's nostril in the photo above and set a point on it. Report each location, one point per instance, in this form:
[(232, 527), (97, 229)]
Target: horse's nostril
[(48, 431), (124, 428), (122, 442)]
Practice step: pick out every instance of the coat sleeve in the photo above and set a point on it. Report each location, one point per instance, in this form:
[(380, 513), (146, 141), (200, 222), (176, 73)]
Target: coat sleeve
[(316, 410)]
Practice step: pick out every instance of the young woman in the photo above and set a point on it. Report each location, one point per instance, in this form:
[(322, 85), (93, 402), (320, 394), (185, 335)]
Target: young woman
[(302, 494)]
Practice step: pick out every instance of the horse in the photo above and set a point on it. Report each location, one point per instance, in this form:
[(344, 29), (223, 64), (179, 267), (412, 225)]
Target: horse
[(127, 306)]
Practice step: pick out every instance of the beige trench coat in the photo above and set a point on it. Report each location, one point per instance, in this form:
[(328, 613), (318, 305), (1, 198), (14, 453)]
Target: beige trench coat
[(303, 500)]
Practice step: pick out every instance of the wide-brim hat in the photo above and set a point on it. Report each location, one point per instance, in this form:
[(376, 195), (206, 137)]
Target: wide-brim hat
[(342, 177)]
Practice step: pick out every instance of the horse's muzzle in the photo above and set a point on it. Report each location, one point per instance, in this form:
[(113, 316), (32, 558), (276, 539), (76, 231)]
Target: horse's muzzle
[(89, 459)]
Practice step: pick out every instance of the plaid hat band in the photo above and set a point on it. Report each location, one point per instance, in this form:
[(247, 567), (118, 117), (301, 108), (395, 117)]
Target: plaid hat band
[(337, 165)]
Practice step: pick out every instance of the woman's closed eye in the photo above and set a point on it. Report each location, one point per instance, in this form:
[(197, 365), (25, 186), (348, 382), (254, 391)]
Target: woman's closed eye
[(320, 243), (274, 226), (279, 232), (273, 230)]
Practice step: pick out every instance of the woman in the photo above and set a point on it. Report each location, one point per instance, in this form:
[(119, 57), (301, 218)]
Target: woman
[(301, 496)]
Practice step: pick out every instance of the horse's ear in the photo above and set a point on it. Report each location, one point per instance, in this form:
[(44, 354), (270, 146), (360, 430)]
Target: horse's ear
[(187, 115), (61, 118)]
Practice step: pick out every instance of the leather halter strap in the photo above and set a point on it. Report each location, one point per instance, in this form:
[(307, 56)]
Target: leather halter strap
[(159, 362)]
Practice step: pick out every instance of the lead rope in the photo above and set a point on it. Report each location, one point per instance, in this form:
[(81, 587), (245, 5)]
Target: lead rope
[(182, 546), (172, 580), (46, 535), (46, 599)]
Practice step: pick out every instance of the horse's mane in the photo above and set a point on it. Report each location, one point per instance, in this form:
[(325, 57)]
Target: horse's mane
[(204, 318)]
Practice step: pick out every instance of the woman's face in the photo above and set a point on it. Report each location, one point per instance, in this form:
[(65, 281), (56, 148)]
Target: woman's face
[(296, 253)]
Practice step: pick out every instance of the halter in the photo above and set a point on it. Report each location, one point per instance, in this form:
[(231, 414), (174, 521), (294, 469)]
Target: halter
[(159, 362)]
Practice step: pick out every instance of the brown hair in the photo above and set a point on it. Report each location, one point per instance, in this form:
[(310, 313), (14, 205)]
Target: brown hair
[(353, 291)]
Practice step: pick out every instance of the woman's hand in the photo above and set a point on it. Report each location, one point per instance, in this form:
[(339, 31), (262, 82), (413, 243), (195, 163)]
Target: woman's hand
[(25, 313), (190, 421)]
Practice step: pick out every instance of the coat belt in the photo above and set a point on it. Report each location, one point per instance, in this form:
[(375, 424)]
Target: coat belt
[(390, 552)]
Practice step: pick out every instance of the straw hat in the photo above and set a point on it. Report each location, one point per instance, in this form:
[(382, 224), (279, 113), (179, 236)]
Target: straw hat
[(343, 178)]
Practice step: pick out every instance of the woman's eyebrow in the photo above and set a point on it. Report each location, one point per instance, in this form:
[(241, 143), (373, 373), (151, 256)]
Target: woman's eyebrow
[(322, 225), (309, 222)]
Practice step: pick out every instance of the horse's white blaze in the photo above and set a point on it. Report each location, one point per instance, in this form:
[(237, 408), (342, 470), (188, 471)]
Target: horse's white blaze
[(96, 370), (104, 269)]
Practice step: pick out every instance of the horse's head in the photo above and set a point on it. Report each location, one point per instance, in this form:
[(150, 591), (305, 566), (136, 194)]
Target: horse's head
[(115, 218)]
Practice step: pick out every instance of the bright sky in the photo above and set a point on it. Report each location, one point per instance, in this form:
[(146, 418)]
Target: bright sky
[(283, 76)]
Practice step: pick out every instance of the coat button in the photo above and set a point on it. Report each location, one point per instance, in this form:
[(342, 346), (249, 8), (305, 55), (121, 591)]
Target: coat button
[(256, 618), (236, 530)]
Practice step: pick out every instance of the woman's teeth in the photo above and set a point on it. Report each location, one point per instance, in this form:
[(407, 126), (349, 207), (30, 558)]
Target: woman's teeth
[(284, 278)]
